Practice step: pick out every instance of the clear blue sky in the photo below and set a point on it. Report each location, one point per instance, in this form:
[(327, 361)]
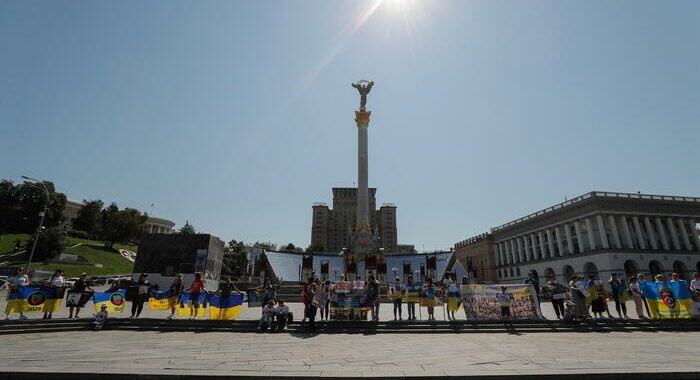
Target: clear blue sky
[(238, 115)]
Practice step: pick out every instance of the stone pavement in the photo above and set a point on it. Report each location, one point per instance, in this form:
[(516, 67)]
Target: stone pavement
[(340, 355)]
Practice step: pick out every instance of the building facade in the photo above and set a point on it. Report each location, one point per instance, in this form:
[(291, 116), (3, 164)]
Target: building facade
[(333, 228), (476, 256), (601, 233), (154, 225)]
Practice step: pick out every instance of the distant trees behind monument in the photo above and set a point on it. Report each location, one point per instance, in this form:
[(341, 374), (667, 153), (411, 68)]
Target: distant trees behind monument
[(109, 224), (187, 229)]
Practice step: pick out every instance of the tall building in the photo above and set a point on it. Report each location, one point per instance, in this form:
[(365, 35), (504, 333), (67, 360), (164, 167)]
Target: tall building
[(476, 256), (334, 228)]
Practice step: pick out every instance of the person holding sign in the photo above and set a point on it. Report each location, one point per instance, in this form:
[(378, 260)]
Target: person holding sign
[(429, 291), (76, 298), (142, 288), (325, 311), (558, 296), (395, 294)]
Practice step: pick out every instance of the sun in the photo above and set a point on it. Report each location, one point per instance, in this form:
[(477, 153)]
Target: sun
[(399, 6)]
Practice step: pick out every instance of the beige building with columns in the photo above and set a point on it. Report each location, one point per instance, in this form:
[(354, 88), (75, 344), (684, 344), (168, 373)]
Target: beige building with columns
[(602, 233)]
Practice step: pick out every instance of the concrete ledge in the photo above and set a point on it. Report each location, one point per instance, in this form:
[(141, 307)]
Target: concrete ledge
[(265, 375)]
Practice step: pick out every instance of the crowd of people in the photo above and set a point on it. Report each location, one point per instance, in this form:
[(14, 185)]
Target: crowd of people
[(580, 298)]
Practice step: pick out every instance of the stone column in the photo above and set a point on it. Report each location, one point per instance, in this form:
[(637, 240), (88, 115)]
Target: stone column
[(569, 239), (496, 255), (533, 241), (674, 234), (616, 234), (550, 243), (560, 240), (526, 241), (543, 250), (513, 251), (591, 234), (684, 234), (521, 256), (650, 233), (579, 236), (696, 238), (601, 231), (362, 121), (662, 233), (638, 230), (629, 243)]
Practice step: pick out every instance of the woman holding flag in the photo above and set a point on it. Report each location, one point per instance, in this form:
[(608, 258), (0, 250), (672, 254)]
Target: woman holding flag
[(58, 282), (176, 288), (196, 288), (619, 295), (13, 284)]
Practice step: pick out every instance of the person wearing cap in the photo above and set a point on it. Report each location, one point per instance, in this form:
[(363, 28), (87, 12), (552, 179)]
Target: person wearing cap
[(142, 292), (100, 318)]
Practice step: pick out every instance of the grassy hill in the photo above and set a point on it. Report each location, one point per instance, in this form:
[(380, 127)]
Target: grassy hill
[(112, 262), (92, 250)]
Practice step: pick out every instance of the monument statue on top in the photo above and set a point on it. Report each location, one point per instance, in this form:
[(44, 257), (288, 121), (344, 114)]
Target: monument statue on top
[(363, 87)]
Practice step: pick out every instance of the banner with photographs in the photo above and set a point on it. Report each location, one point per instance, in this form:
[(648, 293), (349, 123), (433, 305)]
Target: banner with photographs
[(320, 298), (498, 302), (254, 299), (345, 308)]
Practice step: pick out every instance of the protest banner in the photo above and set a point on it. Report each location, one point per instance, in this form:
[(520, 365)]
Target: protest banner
[(429, 297), (186, 305), (78, 299), (394, 291), (162, 300), (485, 302), (225, 307), (33, 300), (320, 298), (349, 308), (115, 301), (254, 299), (342, 287), (412, 293), (453, 298), (667, 299)]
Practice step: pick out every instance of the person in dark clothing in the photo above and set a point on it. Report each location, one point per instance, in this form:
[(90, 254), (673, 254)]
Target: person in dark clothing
[(532, 280), (558, 296), (618, 295), (142, 292), (81, 284), (311, 309)]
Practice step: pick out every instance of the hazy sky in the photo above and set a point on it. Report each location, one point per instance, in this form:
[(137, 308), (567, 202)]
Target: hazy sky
[(238, 115)]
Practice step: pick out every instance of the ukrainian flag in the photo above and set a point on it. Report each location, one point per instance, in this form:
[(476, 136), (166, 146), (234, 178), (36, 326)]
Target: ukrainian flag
[(412, 293), (225, 307), (186, 309), (592, 291), (33, 300), (115, 301), (164, 300), (667, 299), (453, 298)]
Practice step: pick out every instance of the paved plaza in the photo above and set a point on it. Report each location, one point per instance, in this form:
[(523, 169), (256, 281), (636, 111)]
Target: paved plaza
[(336, 355)]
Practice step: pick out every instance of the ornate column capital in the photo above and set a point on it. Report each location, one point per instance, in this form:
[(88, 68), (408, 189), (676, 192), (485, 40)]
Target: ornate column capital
[(362, 117)]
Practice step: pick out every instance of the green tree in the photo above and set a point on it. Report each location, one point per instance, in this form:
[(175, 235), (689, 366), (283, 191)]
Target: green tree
[(316, 248), (89, 218), (50, 244), (21, 204), (235, 246), (291, 248), (187, 229), (265, 245), (122, 226)]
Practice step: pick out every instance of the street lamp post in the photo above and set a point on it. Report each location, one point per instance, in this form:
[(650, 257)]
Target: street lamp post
[(417, 272), (41, 219), (395, 270)]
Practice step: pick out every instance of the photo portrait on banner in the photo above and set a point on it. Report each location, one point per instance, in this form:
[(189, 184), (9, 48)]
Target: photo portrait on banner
[(484, 302)]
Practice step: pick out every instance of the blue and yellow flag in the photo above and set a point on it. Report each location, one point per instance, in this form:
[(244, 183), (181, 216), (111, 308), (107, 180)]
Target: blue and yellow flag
[(33, 300), (225, 307), (453, 298), (187, 305), (115, 301), (164, 300), (667, 299), (412, 293)]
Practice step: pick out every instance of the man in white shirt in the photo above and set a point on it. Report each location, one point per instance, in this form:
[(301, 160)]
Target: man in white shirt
[(281, 314)]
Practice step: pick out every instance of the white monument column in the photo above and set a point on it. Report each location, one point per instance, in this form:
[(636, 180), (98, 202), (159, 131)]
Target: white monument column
[(550, 243), (638, 230), (674, 234), (616, 234), (590, 234), (528, 254), (362, 170), (579, 236), (543, 249), (601, 230), (628, 236), (560, 240), (533, 243), (569, 239), (684, 234)]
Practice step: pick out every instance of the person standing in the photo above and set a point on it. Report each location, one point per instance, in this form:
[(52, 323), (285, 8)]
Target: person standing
[(13, 283), (429, 291), (640, 278), (598, 305), (637, 296), (618, 294), (410, 305), (177, 287), (142, 290), (449, 287), (307, 297), (532, 280), (373, 296), (397, 298), (196, 288), (558, 296), (57, 282), (311, 309), (327, 306), (578, 296), (505, 300), (81, 284)]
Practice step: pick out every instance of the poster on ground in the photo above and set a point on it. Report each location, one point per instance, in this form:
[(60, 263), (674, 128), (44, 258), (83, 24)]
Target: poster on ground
[(496, 302)]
